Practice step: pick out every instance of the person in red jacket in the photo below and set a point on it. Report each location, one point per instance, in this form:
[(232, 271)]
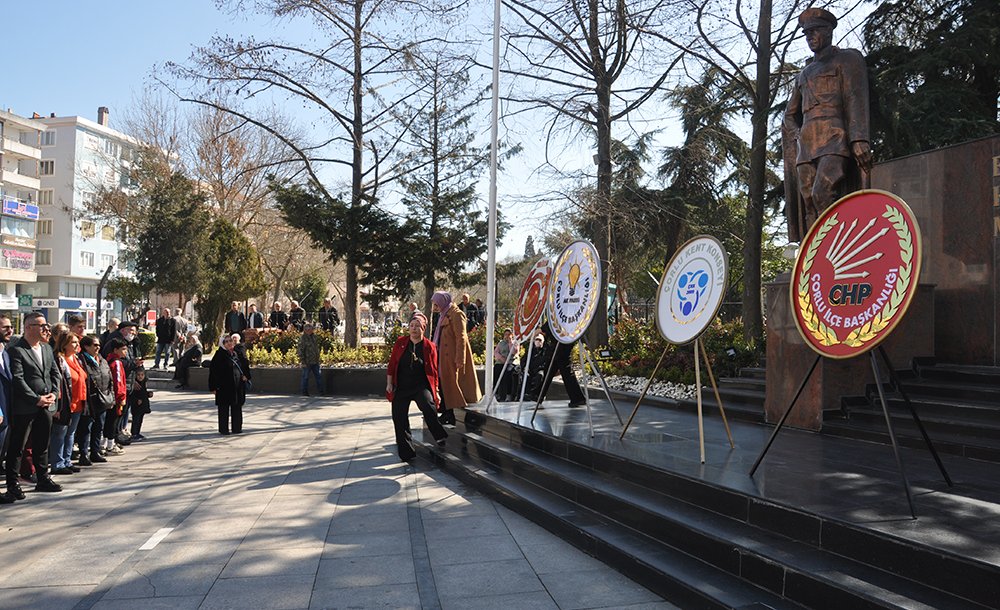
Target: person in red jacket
[(118, 351), (412, 377)]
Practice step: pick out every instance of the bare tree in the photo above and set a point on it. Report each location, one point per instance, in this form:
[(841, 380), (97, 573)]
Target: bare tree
[(589, 63), (749, 45), (347, 80)]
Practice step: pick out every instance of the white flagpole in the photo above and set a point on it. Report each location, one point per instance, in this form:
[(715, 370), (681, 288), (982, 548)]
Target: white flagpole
[(491, 260)]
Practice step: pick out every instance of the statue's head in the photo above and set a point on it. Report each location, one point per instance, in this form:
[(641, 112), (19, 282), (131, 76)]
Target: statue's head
[(817, 24)]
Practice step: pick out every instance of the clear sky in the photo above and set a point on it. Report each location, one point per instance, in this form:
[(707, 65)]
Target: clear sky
[(69, 57)]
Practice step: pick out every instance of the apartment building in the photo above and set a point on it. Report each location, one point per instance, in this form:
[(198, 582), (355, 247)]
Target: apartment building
[(78, 157), (19, 191)]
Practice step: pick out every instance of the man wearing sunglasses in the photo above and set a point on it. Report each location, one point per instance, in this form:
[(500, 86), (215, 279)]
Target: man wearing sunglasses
[(35, 379)]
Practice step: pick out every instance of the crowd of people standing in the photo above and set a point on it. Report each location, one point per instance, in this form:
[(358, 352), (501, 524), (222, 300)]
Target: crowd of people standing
[(64, 394)]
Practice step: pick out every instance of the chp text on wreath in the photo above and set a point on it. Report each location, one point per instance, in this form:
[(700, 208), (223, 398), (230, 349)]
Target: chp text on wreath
[(861, 335)]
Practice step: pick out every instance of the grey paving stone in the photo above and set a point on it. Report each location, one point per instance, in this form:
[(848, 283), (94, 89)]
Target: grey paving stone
[(345, 572), (270, 562), (367, 521), (535, 600), (48, 597), (595, 589), (366, 545), (486, 579), (165, 581), (286, 592), (558, 556), (178, 553), (447, 551), (396, 597), (285, 537), (187, 602), (464, 527)]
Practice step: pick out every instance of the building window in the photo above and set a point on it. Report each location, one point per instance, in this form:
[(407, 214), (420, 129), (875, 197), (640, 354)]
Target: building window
[(18, 227), (88, 230), (107, 260), (86, 258), (48, 138), (45, 226), (111, 148), (46, 168), (43, 257), (45, 197), (108, 233)]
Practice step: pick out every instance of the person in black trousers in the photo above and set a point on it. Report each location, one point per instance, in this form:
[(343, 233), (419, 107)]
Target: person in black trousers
[(35, 379), (226, 381), (412, 377), (562, 366)]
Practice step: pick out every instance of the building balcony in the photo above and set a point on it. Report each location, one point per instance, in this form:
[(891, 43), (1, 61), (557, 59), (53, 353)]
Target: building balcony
[(22, 151), (19, 276), (21, 180)]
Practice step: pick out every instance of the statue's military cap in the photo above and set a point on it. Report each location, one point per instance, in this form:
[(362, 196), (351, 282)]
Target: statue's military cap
[(817, 17)]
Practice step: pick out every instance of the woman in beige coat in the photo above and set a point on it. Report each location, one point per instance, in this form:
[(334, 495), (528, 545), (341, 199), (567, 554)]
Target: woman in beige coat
[(459, 384)]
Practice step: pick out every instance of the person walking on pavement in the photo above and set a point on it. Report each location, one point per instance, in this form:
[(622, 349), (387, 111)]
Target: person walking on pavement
[(308, 352), (35, 379), (456, 367), (166, 334), (412, 377)]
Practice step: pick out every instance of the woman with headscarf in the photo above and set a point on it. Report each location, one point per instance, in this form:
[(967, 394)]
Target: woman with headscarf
[(456, 368), (225, 380), (412, 377)]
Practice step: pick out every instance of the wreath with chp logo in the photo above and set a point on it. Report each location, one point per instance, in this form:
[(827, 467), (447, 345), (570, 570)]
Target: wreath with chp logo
[(861, 335)]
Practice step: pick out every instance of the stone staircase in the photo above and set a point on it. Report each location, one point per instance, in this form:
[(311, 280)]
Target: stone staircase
[(700, 544), (958, 404)]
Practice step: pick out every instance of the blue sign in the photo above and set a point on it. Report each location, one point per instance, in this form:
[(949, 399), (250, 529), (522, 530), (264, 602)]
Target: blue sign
[(13, 207)]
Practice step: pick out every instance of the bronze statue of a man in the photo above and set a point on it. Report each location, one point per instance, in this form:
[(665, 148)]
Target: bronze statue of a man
[(825, 126)]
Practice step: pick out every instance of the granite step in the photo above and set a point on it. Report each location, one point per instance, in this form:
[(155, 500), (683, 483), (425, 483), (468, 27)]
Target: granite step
[(800, 572), (672, 574), (933, 571)]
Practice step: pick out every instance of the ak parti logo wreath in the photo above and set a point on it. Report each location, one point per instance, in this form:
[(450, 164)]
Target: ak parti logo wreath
[(856, 273)]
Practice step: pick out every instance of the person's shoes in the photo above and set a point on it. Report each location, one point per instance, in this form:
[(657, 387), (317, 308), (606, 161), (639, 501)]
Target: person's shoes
[(447, 418), (6, 498), (14, 490), (31, 478), (137, 438), (441, 442), (62, 471), (73, 468), (115, 450), (224, 432), (84, 461), (305, 394), (102, 452), (573, 404), (47, 484), (97, 458), (238, 431)]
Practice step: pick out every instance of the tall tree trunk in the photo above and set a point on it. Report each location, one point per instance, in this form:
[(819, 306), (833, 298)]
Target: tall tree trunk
[(351, 313), (752, 314), (352, 317), (597, 334)]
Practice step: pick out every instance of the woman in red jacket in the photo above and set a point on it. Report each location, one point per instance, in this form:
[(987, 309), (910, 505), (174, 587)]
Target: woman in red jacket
[(412, 377)]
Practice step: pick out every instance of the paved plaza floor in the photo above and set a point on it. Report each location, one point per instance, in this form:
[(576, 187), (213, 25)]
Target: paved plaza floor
[(308, 508)]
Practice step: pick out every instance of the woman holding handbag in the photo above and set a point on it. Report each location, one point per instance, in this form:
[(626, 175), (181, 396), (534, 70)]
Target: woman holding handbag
[(100, 396)]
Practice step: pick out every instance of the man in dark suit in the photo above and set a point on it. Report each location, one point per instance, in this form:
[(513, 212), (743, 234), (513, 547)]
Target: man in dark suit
[(6, 330), (35, 379)]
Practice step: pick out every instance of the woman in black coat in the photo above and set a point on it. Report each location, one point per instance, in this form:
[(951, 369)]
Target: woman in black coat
[(226, 381)]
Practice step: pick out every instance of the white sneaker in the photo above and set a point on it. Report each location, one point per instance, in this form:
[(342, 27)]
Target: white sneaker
[(116, 450)]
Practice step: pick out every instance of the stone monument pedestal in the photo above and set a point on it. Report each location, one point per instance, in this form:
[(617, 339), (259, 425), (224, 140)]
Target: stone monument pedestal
[(789, 358)]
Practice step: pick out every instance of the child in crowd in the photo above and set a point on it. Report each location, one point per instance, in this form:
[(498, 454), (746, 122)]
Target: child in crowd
[(138, 400)]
